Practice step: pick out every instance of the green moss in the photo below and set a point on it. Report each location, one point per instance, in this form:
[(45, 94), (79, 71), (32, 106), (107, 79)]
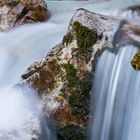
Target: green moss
[(85, 40), (136, 61), (70, 72), (67, 38), (85, 84), (85, 36), (79, 104), (73, 132), (79, 100)]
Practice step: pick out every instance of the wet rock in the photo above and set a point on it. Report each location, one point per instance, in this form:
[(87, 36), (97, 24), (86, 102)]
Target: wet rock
[(63, 80), (136, 61), (17, 12), (127, 33)]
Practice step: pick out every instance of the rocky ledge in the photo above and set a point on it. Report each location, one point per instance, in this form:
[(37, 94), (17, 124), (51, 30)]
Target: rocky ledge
[(63, 80), (17, 12)]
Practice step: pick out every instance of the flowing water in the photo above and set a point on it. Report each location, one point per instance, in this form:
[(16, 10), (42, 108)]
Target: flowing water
[(21, 116), (117, 98), (26, 44)]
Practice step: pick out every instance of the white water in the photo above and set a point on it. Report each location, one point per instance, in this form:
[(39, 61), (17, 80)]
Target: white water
[(116, 111), (21, 116), (115, 97), (18, 49), (20, 112), (15, 101)]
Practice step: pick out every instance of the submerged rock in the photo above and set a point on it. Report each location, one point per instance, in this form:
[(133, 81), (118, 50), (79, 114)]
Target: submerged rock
[(17, 12)]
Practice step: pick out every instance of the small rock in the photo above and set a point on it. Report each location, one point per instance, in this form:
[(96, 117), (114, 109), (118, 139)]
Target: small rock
[(17, 12)]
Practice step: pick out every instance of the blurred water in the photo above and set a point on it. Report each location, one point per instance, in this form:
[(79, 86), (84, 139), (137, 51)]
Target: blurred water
[(116, 97), (20, 117), (22, 46)]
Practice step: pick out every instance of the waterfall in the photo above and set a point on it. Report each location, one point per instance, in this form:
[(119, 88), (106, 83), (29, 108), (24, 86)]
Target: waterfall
[(19, 48), (25, 44), (116, 97), (21, 116)]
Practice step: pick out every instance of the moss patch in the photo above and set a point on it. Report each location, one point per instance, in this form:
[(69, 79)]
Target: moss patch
[(85, 40), (79, 90), (79, 100), (70, 72), (136, 61), (73, 132), (79, 103), (67, 38)]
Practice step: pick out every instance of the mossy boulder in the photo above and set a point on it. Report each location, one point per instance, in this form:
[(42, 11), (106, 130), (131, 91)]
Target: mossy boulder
[(136, 61), (67, 38), (85, 39), (17, 12), (63, 80)]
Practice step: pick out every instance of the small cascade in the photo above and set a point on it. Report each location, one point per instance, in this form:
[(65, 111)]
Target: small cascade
[(116, 97), (21, 115)]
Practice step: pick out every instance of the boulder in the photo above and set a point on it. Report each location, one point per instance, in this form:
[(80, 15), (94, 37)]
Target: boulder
[(17, 12), (63, 80)]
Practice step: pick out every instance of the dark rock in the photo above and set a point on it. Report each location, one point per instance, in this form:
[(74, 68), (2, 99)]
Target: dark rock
[(17, 12)]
